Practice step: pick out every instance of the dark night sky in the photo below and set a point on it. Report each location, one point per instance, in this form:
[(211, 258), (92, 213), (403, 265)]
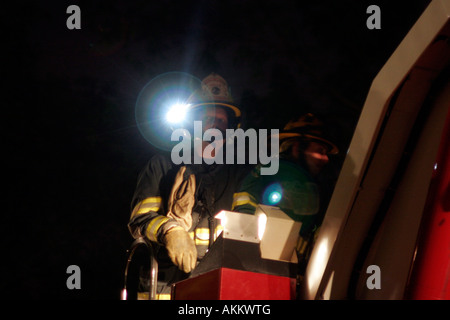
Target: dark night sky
[(73, 148)]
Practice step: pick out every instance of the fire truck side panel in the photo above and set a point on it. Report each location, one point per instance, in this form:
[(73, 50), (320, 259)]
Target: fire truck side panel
[(375, 162)]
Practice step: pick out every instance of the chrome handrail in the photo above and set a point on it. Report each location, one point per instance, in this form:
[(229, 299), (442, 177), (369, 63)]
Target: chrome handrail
[(153, 272)]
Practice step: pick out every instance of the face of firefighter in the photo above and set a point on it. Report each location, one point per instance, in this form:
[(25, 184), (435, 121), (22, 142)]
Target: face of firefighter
[(315, 156), (213, 118)]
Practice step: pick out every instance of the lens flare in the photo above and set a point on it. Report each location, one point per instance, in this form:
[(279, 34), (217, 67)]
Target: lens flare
[(273, 194), (154, 104), (274, 197), (177, 113)]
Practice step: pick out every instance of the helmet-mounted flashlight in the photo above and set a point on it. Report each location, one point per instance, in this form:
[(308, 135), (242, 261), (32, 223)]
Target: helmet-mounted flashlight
[(176, 113)]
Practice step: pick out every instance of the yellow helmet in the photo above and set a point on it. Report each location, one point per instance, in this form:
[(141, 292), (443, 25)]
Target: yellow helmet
[(214, 91)]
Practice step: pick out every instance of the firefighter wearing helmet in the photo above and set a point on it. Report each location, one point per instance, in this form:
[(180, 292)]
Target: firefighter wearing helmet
[(306, 141), (174, 205), (304, 149)]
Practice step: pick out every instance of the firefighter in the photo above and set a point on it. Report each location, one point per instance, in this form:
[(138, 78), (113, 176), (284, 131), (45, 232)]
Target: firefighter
[(304, 149), (174, 205)]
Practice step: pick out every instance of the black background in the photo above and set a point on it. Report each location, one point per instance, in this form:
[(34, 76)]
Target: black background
[(73, 150)]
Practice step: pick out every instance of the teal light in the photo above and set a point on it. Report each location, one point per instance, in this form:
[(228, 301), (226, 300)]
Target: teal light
[(273, 194), (274, 197)]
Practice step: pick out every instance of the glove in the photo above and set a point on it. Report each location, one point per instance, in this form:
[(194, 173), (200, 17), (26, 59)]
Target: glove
[(181, 249), (182, 199)]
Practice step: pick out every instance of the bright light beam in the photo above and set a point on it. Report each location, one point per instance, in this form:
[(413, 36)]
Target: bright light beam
[(177, 113)]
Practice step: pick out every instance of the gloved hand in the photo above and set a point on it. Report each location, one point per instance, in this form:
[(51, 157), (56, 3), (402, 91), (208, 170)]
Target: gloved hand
[(181, 199), (181, 249)]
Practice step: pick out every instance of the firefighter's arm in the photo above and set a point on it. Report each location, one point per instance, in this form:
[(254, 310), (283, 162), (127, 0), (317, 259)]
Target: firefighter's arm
[(247, 198), (165, 231), (147, 217), (146, 220)]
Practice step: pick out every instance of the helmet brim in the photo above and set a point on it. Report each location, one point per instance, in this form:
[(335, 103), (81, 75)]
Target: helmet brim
[(333, 149), (236, 111)]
